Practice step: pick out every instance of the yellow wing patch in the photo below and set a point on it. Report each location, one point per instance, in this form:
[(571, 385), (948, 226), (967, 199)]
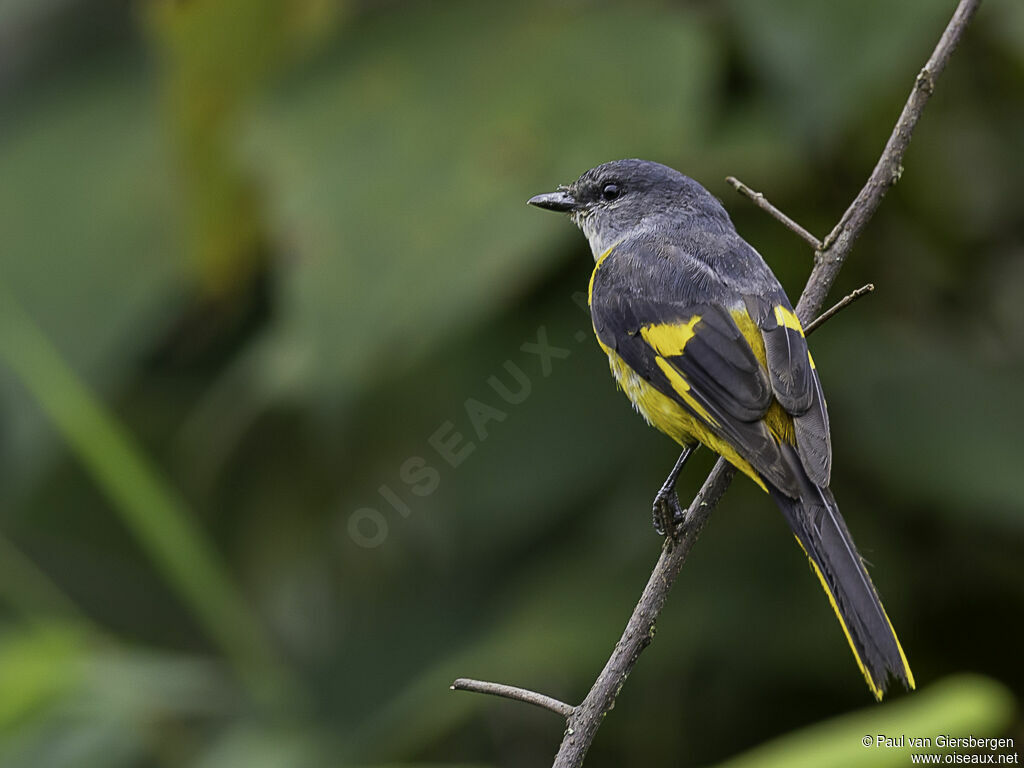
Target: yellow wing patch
[(682, 388), (751, 333), (670, 339), (779, 423), (664, 413), (785, 317)]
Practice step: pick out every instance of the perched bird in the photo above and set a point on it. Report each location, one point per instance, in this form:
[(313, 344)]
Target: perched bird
[(705, 343)]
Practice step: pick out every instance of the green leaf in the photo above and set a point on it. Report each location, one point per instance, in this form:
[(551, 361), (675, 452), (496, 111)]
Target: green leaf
[(398, 170), (811, 56), (934, 431), (148, 506), (38, 665), (86, 214), (88, 242), (957, 706)]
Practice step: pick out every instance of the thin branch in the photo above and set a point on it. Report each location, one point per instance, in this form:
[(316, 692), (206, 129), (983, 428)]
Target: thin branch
[(583, 721), (887, 170), (511, 692), (838, 307), (582, 725), (762, 202)]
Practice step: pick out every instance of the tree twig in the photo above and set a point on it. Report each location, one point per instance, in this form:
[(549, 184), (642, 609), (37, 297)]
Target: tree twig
[(511, 692), (583, 721), (887, 170), (762, 202), (839, 306)]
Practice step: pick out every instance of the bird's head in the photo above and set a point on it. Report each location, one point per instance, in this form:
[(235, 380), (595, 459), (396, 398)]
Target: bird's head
[(620, 198)]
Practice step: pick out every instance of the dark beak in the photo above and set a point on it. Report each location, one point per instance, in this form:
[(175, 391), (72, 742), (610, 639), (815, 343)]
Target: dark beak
[(560, 201)]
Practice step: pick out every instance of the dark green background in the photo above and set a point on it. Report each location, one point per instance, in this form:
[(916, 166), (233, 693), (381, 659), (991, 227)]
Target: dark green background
[(255, 253)]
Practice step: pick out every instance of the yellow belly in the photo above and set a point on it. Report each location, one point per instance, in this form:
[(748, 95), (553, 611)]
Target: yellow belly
[(670, 417)]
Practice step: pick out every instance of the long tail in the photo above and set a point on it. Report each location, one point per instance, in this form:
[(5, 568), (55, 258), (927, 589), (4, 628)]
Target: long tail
[(821, 531)]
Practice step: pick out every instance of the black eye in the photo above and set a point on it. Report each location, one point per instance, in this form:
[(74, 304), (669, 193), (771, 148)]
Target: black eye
[(610, 191)]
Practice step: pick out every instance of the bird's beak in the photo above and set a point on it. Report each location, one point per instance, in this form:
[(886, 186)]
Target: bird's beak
[(560, 201)]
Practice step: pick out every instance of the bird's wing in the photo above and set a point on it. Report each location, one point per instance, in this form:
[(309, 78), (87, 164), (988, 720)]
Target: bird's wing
[(719, 357), (795, 383)]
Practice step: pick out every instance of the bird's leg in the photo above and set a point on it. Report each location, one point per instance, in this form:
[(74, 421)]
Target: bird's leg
[(667, 511)]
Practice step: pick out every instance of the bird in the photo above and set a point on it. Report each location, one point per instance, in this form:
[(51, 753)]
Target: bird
[(703, 340)]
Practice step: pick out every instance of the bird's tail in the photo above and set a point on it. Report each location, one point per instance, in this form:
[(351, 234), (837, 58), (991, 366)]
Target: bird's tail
[(822, 533)]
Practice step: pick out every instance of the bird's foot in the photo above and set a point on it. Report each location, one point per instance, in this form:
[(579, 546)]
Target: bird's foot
[(668, 512)]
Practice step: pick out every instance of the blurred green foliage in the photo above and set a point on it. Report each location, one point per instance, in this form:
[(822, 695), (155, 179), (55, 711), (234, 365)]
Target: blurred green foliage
[(963, 704), (215, 56), (261, 262)]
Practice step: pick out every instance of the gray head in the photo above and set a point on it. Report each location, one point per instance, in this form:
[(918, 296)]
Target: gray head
[(626, 197)]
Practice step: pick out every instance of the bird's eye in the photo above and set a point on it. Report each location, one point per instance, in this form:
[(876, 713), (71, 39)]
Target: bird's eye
[(610, 191)]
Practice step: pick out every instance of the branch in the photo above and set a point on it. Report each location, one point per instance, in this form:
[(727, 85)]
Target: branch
[(888, 169), (583, 721), (762, 202), (582, 725), (511, 692), (840, 305)]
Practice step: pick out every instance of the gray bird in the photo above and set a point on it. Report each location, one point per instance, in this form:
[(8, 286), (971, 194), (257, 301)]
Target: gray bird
[(704, 342)]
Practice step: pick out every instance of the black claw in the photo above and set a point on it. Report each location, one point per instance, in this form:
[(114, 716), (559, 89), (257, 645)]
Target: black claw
[(668, 513), (658, 517)]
